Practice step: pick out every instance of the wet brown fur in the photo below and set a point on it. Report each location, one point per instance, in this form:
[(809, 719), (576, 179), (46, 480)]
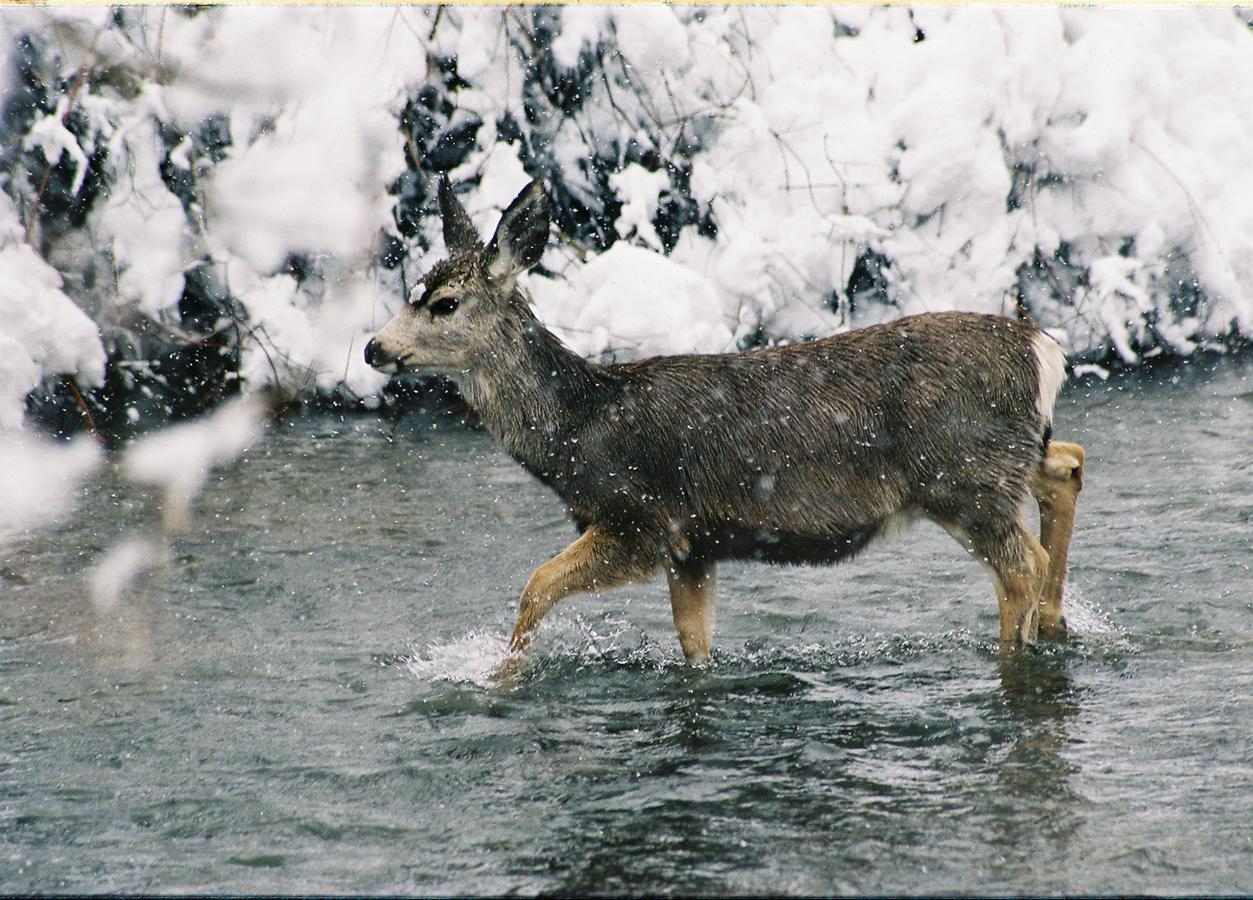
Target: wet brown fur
[(798, 454)]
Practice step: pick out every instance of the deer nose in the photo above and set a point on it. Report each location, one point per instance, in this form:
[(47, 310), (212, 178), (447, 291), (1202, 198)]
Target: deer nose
[(372, 353)]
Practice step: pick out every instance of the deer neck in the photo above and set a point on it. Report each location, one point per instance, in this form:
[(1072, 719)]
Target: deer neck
[(533, 394)]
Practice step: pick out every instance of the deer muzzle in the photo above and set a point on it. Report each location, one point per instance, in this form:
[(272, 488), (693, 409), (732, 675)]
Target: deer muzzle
[(376, 357)]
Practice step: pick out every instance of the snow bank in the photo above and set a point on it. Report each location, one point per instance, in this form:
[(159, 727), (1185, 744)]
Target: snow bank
[(312, 91), (243, 141), (861, 164), (42, 332), (631, 302), (719, 176), (1074, 134)]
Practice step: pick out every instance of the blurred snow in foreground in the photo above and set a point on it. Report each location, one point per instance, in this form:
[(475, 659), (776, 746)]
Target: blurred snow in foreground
[(39, 480), (178, 460)]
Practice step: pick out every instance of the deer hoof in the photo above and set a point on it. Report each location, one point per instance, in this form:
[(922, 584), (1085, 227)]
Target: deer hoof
[(1055, 631)]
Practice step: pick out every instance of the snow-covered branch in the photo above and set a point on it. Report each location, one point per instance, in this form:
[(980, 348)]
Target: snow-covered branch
[(198, 201)]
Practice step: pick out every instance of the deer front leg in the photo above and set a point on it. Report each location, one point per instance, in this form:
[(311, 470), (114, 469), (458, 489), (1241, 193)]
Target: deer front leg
[(692, 584), (1056, 487), (598, 560), (1018, 593)]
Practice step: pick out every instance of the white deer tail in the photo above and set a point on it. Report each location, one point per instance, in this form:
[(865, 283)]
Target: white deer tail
[(1050, 373)]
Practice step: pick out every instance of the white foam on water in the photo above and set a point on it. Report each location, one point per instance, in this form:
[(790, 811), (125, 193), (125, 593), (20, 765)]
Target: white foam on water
[(566, 641), (577, 641), (473, 658), (1084, 618)]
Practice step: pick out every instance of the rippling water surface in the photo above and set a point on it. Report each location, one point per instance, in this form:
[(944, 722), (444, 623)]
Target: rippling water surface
[(300, 701)]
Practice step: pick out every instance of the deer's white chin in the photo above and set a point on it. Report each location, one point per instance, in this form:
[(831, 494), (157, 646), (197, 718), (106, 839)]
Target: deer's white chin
[(408, 367)]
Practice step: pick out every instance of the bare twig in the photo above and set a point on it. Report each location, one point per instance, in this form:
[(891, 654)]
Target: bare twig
[(512, 13), (439, 14), (89, 421), (787, 182), (1193, 206)]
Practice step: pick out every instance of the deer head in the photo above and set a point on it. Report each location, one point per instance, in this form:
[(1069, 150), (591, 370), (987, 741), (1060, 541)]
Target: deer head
[(465, 299)]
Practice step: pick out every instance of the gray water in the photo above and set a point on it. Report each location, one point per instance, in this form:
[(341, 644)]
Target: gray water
[(299, 702)]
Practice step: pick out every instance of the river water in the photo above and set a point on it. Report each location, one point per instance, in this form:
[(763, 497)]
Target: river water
[(299, 702)]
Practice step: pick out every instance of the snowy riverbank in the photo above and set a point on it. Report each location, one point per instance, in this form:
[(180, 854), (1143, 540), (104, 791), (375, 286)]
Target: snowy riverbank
[(199, 201)]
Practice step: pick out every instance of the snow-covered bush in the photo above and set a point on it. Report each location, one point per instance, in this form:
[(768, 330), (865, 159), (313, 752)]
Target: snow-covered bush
[(197, 200)]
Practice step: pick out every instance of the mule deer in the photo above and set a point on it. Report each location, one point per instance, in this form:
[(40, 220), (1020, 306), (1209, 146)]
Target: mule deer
[(797, 454)]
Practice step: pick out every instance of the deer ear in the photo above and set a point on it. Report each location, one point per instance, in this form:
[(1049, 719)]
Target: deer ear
[(521, 236), (459, 231)]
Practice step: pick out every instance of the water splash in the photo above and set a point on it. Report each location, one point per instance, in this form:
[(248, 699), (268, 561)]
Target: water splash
[(570, 644), (566, 644), (1085, 618), (473, 658)]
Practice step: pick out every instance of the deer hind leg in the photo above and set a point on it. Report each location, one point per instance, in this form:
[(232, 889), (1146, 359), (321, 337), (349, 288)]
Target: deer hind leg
[(692, 586), (598, 560), (1018, 564), (1056, 487)]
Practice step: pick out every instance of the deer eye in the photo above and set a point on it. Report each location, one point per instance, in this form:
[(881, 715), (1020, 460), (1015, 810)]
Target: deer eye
[(445, 306)]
